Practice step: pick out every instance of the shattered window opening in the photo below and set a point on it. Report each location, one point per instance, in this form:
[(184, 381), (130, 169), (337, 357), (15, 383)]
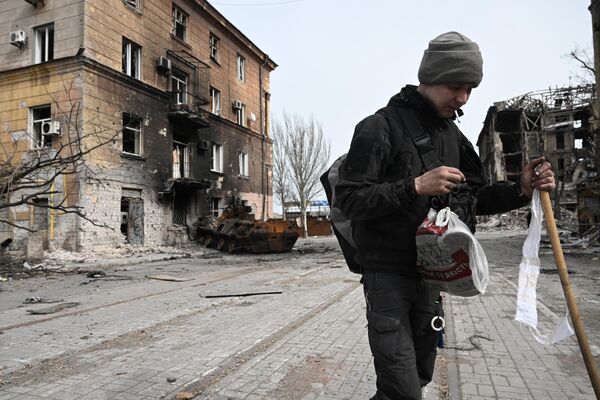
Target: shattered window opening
[(243, 164), (132, 131), (240, 114), (215, 100), (560, 141), (241, 68), (213, 43), (179, 23), (132, 58), (44, 43), (217, 157), (39, 115), (181, 160), (179, 82)]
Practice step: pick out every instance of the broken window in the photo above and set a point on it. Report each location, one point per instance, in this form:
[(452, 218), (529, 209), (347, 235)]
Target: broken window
[(243, 164), (179, 23), (132, 132), (561, 164), (179, 82), (213, 43), (40, 116), (44, 43), (181, 160), (217, 157), (132, 58), (579, 143), (215, 100), (560, 141), (241, 68), (216, 206)]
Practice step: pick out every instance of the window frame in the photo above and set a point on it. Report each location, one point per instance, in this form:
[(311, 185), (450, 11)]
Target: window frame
[(241, 68), (186, 157), (179, 18), (217, 157), (215, 100), (41, 35), (176, 76), (243, 164), (213, 45), (136, 131), (128, 50), (240, 115), (38, 139)]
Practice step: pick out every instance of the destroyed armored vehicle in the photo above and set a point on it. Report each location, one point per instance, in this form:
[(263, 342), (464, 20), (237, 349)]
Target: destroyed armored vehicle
[(237, 230)]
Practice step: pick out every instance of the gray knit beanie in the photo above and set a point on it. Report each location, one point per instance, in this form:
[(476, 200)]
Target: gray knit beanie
[(451, 58)]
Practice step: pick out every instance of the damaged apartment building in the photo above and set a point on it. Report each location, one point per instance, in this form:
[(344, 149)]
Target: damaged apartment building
[(558, 124), (181, 94)]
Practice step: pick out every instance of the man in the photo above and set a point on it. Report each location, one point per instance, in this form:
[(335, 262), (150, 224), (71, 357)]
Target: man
[(386, 191)]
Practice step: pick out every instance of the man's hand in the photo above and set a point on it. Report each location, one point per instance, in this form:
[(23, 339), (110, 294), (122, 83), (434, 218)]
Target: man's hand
[(537, 174), (438, 181)]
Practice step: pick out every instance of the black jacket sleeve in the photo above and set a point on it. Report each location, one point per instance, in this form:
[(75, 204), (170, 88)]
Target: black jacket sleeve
[(361, 193), (491, 198)]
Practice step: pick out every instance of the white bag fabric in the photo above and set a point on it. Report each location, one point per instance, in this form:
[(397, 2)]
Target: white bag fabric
[(448, 255), (529, 270)]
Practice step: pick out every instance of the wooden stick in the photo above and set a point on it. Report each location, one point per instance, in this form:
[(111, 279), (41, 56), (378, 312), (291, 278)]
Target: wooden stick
[(584, 346)]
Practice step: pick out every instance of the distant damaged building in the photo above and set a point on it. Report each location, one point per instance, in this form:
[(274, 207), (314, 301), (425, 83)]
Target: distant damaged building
[(183, 91), (556, 123)]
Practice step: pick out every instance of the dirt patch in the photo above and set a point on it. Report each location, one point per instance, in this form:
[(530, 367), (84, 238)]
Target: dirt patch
[(303, 379)]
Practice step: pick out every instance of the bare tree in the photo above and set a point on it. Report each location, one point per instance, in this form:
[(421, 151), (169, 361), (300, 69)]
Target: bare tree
[(26, 176), (307, 153), (587, 72), (281, 171)]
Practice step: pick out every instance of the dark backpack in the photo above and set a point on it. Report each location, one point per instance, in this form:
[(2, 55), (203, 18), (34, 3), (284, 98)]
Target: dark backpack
[(342, 226)]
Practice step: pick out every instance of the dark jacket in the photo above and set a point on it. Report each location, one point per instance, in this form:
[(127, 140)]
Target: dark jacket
[(376, 186)]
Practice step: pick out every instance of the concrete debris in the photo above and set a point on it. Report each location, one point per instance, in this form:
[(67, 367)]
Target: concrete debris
[(38, 300), (514, 220), (54, 309)]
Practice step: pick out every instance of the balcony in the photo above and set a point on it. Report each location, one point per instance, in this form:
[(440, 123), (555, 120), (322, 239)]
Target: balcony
[(186, 108)]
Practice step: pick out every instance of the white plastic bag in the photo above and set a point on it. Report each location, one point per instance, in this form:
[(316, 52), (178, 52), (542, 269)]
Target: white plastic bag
[(529, 270), (448, 255)]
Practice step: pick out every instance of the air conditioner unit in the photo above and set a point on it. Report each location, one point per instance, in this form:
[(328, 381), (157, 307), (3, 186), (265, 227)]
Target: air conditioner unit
[(163, 64), (237, 104), (50, 127), (203, 145), (17, 38)]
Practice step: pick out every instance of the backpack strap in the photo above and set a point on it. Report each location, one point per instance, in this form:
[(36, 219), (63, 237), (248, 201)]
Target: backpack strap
[(403, 119), (420, 138)]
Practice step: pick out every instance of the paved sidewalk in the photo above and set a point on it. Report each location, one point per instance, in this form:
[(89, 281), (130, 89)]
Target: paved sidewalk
[(499, 358)]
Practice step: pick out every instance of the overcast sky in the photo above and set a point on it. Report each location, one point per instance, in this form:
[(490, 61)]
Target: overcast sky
[(341, 60)]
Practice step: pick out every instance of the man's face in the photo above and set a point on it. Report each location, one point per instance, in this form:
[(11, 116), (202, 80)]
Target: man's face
[(446, 98)]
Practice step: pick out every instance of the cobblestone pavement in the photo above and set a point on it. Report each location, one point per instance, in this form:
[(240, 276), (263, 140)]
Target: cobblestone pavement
[(144, 339), (494, 357)]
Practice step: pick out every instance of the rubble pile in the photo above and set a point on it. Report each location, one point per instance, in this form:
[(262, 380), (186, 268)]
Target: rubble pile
[(511, 221)]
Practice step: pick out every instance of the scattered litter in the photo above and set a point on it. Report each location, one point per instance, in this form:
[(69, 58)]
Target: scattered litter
[(3, 279), (184, 396), (169, 278), (171, 380), (474, 345), (554, 271), (213, 296), (120, 373), (38, 299), (30, 267), (53, 309)]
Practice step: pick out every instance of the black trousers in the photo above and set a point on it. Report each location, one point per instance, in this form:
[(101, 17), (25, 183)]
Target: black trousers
[(403, 344)]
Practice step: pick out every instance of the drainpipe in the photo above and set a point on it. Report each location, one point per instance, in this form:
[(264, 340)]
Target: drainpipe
[(264, 136)]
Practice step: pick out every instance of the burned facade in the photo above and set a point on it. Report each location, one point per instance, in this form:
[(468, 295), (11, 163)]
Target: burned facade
[(183, 93), (558, 124)]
